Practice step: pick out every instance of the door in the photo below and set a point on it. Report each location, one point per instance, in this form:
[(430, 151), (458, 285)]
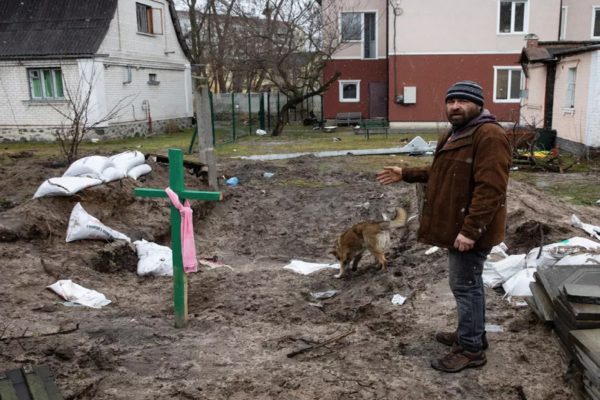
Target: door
[(378, 99)]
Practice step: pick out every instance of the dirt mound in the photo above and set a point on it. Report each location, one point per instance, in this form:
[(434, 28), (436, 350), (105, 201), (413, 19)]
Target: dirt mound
[(248, 315)]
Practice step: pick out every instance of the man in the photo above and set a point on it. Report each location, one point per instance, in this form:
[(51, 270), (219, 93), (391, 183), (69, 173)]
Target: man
[(464, 210)]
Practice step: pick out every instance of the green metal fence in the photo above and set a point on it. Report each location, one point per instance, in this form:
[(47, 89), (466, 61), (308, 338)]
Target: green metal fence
[(235, 115)]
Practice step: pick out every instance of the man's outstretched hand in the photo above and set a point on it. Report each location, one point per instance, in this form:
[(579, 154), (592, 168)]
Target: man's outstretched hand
[(389, 175)]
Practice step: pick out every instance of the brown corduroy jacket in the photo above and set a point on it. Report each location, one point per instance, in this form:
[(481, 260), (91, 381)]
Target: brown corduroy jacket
[(466, 188)]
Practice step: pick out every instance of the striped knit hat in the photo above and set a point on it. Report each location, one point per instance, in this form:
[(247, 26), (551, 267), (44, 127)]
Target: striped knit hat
[(467, 90)]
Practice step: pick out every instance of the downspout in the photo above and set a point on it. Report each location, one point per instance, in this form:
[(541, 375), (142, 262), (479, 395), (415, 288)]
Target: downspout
[(560, 19), (549, 96), (387, 55)]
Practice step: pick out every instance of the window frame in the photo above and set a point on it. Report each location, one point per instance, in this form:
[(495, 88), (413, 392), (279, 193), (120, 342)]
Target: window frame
[(512, 17), (361, 41), (341, 90), (595, 13), (376, 55), (508, 99), (569, 103), (153, 19), (361, 27), (44, 97), (564, 17)]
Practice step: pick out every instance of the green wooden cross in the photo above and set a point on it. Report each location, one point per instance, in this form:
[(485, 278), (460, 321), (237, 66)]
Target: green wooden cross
[(176, 184)]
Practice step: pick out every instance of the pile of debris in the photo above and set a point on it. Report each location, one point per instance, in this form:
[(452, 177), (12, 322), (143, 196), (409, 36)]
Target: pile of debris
[(561, 283), (567, 296)]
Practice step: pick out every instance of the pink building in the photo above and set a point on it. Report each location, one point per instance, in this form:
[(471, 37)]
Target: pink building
[(398, 57)]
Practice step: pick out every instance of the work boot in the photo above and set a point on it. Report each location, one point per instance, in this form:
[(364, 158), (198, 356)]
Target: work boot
[(451, 338), (459, 359)]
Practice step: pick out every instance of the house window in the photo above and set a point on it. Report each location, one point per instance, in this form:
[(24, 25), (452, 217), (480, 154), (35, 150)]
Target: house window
[(360, 27), (349, 91), (596, 23), (149, 20), (512, 16), (46, 83), (369, 45), (570, 98), (351, 26), (152, 80), (507, 84), (563, 23)]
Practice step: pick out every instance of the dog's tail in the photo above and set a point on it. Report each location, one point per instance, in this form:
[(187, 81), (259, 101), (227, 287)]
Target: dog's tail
[(399, 219)]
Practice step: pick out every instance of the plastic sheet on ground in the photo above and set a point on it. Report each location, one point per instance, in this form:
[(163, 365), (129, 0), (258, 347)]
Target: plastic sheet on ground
[(592, 230), (306, 268), (518, 284), (75, 293), (499, 266), (568, 252), (154, 259)]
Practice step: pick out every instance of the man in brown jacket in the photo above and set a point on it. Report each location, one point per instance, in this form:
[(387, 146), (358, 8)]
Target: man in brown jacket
[(464, 210)]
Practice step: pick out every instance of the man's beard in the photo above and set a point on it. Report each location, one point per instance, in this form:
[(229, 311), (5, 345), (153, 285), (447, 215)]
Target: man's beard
[(459, 119)]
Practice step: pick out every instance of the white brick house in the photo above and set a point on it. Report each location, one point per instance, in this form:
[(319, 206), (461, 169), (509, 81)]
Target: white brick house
[(130, 52)]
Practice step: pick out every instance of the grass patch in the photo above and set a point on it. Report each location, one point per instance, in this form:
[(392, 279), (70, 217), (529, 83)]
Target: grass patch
[(576, 188)]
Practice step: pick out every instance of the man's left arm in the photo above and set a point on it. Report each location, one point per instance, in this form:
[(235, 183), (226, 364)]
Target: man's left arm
[(491, 163)]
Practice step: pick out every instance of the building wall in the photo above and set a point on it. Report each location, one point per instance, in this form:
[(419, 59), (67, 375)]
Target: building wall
[(364, 70), (355, 50), (143, 54), (168, 103), (571, 124), (532, 112), (465, 27), (433, 74), (21, 118), (593, 110), (580, 18)]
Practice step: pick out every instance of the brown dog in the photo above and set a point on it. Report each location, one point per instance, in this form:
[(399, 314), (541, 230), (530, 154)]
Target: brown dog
[(371, 235)]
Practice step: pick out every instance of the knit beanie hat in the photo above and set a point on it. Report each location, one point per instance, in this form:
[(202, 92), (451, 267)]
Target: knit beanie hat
[(467, 90)]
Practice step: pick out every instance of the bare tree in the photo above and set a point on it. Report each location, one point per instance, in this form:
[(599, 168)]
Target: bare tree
[(76, 114), (284, 44), (290, 48)]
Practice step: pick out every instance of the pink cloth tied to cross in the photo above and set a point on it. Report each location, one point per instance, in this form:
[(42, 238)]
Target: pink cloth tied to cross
[(188, 247)]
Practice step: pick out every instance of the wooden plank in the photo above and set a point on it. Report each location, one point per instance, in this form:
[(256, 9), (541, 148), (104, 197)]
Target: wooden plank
[(35, 384), (19, 384), (7, 392), (51, 389)]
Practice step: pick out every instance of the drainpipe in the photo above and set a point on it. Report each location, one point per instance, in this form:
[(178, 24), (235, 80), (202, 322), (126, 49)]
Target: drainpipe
[(549, 96), (560, 19)]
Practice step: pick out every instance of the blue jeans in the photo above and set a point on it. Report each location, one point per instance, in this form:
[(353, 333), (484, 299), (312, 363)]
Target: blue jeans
[(465, 269)]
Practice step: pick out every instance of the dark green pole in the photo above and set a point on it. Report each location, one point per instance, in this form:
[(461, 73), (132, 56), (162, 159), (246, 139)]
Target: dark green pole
[(261, 111), (233, 115), (249, 115), (269, 110)]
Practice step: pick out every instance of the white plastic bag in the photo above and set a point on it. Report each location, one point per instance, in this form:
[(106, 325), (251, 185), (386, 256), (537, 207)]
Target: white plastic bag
[(127, 160), (154, 259), (306, 268), (556, 251), (518, 284), (139, 170), (64, 186), (592, 230), (91, 167), (84, 226), (112, 174)]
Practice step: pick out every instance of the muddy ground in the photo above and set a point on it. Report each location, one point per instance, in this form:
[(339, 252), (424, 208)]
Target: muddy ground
[(246, 319)]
